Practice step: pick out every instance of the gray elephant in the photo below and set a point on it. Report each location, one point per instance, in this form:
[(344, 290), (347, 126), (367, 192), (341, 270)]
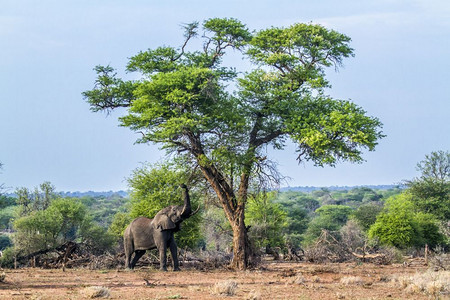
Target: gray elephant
[(145, 234)]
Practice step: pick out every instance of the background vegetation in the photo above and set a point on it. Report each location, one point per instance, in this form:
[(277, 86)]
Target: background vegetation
[(406, 217)]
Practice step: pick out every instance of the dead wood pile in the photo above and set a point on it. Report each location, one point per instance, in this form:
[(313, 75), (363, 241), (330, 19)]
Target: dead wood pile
[(69, 255), (333, 247)]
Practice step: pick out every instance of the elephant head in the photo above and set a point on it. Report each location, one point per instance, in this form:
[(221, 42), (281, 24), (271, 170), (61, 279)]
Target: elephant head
[(169, 218)]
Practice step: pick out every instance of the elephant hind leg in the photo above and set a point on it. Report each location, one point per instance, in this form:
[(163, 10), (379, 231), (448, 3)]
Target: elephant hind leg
[(129, 249), (174, 254), (137, 254)]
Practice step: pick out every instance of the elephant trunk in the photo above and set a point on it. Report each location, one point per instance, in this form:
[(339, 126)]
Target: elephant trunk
[(186, 213)]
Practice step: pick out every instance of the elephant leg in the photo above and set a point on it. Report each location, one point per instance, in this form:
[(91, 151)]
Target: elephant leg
[(137, 254), (163, 257), (128, 253), (174, 253), (127, 259)]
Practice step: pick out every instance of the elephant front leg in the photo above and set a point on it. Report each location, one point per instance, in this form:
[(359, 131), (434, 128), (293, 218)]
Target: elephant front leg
[(174, 253), (162, 258)]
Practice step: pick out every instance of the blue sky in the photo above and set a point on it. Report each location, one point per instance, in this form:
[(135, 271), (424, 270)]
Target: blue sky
[(400, 74)]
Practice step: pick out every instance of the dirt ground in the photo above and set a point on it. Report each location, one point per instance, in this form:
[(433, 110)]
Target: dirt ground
[(274, 280)]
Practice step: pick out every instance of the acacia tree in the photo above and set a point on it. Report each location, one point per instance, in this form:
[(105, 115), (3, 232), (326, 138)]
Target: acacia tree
[(431, 191), (194, 105), (435, 166)]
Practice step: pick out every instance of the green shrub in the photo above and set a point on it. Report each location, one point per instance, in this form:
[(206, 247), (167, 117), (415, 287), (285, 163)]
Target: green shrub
[(366, 215), (401, 226), (267, 220), (330, 217), (7, 258), (5, 241), (120, 221)]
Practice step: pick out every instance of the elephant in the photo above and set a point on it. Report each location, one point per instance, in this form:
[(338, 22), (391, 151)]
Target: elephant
[(145, 234)]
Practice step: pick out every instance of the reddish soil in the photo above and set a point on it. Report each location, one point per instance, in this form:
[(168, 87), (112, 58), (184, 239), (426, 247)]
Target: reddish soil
[(275, 280)]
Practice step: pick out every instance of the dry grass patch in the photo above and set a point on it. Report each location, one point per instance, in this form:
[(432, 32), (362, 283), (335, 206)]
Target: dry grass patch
[(430, 283), (226, 288), (253, 295), (350, 280), (96, 292)]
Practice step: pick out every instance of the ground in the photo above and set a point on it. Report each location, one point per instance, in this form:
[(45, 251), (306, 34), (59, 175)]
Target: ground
[(274, 280)]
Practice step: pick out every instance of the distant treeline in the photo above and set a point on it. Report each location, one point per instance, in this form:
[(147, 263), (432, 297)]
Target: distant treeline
[(307, 189)]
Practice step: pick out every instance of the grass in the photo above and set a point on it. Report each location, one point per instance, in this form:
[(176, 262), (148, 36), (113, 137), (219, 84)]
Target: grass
[(430, 283), (349, 280), (227, 288), (96, 292)]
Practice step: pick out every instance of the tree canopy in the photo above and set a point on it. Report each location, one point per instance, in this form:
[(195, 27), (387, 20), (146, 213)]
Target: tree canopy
[(436, 165), (192, 104), (431, 191)]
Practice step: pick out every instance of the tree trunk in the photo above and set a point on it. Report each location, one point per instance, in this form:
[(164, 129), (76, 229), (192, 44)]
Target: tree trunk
[(235, 213), (241, 249), (234, 209)]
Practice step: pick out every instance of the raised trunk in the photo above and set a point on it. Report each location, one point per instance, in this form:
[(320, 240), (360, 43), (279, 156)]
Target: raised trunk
[(187, 202)]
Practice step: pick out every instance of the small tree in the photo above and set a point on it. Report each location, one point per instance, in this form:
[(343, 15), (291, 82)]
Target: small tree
[(366, 214), (330, 217), (431, 196), (120, 221), (436, 166), (48, 225), (268, 220), (183, 102), (431, 191), (39, 199), (401, 226)]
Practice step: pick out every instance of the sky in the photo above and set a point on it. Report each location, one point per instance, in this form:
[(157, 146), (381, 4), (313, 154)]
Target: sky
[(48, 49)]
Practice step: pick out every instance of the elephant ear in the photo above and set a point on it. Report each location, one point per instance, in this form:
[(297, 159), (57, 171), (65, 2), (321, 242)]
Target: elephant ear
[(162, 222)]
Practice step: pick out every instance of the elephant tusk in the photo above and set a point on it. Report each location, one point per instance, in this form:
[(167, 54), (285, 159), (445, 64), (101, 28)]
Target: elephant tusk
[(196, 211)]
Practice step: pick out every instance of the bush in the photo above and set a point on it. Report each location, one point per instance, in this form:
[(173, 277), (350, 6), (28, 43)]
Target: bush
[(267, 220), (119, 223), (5, 241), (97, 238), (431, 196), (366, 214), (330, 218), (63, 220), (7, 258), (400, 226)]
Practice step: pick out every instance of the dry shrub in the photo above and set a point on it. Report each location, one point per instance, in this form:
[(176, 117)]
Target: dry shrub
[(207, 260), (226, 288), (430, 283), (388, 255), (321, 269), (439, 260), (349, 244), (96, 292), (348, 280), (352, 235), (299, 279)]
